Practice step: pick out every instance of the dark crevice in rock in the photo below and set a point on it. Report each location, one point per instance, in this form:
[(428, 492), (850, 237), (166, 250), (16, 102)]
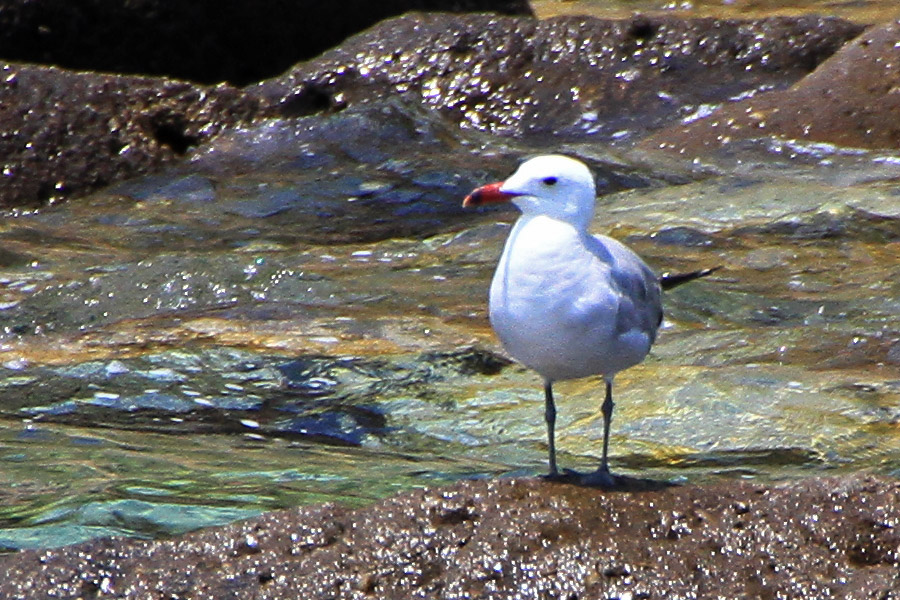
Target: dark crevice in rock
[(207, 41)]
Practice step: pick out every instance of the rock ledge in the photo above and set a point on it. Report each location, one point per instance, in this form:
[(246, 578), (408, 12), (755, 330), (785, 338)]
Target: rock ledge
[(522, 538)]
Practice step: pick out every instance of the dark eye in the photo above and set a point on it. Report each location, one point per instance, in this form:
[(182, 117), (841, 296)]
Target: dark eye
[(549, 180)]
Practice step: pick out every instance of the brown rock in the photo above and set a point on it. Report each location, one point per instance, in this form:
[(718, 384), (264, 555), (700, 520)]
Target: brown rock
[(817, 538), (567, 75), (63, 132), (852, 99)]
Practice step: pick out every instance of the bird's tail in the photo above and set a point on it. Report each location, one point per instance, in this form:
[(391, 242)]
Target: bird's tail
[(667, 281)]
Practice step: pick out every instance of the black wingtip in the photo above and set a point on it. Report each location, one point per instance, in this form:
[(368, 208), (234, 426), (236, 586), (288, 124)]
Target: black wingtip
[(667, 281)]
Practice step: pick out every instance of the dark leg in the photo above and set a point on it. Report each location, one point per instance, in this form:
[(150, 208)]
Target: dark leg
[(601, 477), (607, 410), (550, 417)]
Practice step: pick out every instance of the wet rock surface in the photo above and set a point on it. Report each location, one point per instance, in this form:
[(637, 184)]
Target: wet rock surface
[(203, 41), (525, 538), (64, 133), (850, 100), (566, 76)]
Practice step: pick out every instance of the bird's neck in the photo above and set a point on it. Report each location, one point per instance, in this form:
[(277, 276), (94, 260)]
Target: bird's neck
[(580, 219), (546, 227), (539, 237)]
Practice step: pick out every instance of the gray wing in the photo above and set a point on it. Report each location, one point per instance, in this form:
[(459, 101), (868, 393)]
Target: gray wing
[(640, 305)]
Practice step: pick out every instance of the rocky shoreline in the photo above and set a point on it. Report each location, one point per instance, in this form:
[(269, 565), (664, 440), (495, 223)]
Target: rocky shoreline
[(512, 538), (65, 133)]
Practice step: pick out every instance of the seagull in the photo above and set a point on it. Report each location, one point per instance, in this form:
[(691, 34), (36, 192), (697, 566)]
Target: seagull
[(563, 302)]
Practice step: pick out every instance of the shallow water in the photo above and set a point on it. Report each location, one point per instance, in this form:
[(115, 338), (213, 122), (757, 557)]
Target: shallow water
[(297, 314)]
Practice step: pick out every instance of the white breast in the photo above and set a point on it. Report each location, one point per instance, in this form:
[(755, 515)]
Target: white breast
[(570, 305)]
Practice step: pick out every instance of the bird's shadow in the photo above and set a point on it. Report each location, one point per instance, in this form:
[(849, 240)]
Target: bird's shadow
[(608, 481)]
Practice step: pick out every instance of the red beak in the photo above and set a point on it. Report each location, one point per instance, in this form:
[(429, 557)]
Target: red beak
[(488, 194)]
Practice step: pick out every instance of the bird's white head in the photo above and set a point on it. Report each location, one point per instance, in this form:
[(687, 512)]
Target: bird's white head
[(553, 185)]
